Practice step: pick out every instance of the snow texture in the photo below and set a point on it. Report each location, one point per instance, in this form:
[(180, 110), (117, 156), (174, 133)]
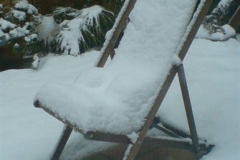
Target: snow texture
[(4, 24), (35, 62), (227, 33), (47, 29), (133, 137), (21, 16), (238, 37), (10, 31), (70, 34), (222, 5), (24, 5), (214, 86), (124, 91), (22, 139), (212, 71), (127, 152)]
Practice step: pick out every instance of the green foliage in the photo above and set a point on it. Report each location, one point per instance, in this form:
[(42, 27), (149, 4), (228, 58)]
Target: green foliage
[(94, 34), (61, 13), (117, 4), (1, 10), (220, 13), (80, 30), (18, 27), (77, 30)]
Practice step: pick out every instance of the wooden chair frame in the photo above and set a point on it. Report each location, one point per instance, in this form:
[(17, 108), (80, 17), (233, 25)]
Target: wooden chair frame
[(235, 20), (197, 148)]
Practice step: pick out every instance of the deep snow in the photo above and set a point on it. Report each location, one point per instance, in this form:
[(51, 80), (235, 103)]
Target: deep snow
[(212, 70)]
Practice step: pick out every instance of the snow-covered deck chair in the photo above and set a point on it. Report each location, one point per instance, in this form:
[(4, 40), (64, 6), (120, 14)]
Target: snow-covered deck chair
[(118, 103)]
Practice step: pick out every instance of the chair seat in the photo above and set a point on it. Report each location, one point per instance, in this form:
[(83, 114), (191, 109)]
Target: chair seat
[(118, 98), (103, 100)]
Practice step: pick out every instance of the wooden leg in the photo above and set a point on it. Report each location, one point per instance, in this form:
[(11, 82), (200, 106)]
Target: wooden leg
[(62, 142), (151, 115), (188, 107)]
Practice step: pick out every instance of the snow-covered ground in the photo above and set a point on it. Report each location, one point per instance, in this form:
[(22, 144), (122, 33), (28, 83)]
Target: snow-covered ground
[(213, 74), (21, 125), (212, 70)]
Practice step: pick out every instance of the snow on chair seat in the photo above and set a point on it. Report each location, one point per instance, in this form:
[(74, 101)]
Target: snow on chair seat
[(118, 98), (121, 94)]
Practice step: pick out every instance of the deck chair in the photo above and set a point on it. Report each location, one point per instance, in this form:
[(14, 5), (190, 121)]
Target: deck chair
[(118, 103)]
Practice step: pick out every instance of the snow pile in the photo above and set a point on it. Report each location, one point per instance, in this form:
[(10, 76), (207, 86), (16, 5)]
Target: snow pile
[(127, 77), (215, 25), (35, 62), (225, 33)]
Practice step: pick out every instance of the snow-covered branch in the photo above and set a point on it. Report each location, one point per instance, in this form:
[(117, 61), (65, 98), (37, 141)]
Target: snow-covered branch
[(85, 29)]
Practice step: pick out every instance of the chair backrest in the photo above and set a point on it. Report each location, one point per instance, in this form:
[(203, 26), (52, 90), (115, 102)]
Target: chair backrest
[(123, 92), (152, 37), (144, 58)]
